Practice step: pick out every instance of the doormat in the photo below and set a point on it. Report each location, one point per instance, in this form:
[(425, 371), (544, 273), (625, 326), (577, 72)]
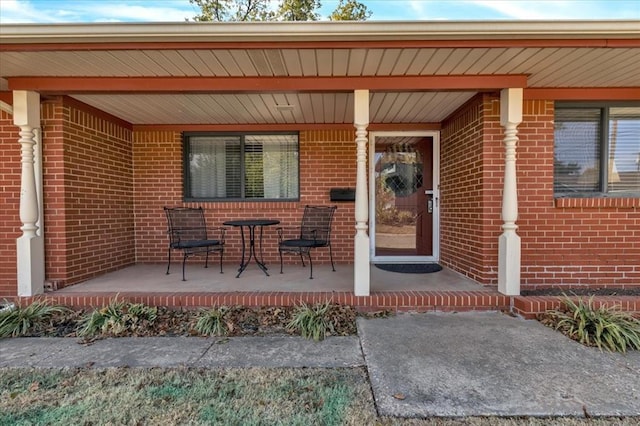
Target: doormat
[(410, 268)]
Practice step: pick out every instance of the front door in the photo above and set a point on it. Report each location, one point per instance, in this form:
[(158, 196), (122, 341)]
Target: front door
[(404, 197)]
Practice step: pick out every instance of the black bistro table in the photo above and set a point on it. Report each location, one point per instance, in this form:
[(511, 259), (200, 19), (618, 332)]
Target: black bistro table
[(251, 225)]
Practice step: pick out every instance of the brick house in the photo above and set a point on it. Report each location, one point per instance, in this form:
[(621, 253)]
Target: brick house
[(508, 152)]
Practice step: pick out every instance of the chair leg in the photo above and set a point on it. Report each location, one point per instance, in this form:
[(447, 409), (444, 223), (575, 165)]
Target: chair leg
[(310, 265), (206, 259), (169, 262), (221, 254), (331, 256), (184, 260), (280, 251), (302, 258)]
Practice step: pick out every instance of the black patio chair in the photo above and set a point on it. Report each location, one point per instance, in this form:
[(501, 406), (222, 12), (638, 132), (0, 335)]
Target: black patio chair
[(188, 232), (314, 232)]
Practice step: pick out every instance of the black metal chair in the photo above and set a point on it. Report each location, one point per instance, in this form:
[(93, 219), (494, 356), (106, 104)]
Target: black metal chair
[(188, 232), (314, 232)]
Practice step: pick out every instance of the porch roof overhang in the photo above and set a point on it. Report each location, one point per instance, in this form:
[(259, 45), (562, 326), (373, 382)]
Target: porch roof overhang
[(288, 74)]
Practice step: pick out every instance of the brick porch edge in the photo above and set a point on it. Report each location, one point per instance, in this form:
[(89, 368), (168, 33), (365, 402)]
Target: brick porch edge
[(399, 301)]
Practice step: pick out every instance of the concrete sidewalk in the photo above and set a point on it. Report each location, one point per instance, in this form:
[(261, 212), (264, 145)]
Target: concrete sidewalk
[(491, 364), (420, 365), (232, 352)]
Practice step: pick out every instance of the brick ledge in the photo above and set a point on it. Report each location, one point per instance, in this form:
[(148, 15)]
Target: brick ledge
[(422, 301)]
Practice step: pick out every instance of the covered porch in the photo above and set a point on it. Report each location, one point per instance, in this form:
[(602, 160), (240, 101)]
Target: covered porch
[(445, 290), (103, 145)]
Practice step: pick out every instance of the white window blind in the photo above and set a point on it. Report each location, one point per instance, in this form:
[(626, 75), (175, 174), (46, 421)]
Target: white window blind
[(597, 149), (624, 150), (243, 167)]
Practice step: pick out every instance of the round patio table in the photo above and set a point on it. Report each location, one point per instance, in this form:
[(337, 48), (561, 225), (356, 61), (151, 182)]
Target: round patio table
[(251, 225)]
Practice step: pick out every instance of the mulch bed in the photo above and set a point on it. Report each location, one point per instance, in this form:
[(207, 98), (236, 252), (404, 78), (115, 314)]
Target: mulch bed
[(241, 321)]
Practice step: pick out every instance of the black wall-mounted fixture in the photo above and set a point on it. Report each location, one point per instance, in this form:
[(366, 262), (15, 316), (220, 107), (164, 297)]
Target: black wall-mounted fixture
[(343, 194)]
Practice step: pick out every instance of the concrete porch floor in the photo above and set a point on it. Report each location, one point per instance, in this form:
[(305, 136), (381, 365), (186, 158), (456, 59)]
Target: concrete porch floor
[(152, 278), (147, 283)]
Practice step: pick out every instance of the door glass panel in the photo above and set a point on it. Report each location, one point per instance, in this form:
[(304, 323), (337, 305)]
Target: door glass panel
[(398, 180)]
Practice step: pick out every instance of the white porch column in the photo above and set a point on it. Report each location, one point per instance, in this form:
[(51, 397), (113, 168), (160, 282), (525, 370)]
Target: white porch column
[(30, 246), (509, 242), (361, 273)]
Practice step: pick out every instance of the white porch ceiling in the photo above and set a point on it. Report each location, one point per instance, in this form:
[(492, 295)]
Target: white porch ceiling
[(584, 65)]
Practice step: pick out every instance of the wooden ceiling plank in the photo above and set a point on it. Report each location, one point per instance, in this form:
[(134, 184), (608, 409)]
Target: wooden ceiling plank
[(436, 61), (276, 62), (165, 65), (448, 65), (292, 63), (212, 63), (341, 106), (260, 63), (388, 61), (340, 61), (308, 62), (423, 56), (372, 62), (357, 58), (226, 59), (404, 61), (471, 62), (324, 61)]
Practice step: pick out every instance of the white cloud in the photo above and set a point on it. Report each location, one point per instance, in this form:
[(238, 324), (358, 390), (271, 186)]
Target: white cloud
[(23, 11), (572, 9), (20, 11)]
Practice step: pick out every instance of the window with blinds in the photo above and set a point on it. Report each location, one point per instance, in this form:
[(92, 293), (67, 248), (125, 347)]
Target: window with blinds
[(241, 166), (597, 150)]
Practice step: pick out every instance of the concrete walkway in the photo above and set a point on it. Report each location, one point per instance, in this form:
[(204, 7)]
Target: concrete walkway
[(420, 365)]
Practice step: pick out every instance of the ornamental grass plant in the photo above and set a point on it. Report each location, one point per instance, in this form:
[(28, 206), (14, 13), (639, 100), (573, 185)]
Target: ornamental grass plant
[(21, 320), (117, 318), (211, 322), (605, 327), (312, 322)]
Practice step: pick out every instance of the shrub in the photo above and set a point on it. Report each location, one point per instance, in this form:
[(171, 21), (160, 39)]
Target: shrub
[(22, 320), (211, 322), (604, 327), (117, 318), (312, 322)]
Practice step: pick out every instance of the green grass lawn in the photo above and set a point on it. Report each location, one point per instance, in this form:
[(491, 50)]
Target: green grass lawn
[(185, 396), (254, 396)]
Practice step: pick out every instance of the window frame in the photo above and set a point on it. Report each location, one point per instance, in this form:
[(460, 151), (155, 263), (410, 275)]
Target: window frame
[(603, 149), (186, 187)]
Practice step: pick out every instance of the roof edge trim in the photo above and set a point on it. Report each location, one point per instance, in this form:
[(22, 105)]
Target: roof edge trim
[(315, 31)]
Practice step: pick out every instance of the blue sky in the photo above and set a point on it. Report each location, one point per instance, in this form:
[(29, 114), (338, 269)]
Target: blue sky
[(56, 11)]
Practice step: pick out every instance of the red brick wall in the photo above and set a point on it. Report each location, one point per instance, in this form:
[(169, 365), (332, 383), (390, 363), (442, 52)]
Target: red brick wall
[(578, 242), (327, 160), (88, 193), (569, 242), (468, 242), (10, 170)]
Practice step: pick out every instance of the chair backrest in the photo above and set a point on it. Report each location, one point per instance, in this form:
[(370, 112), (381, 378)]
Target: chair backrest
[(316, 223), (186, 224)]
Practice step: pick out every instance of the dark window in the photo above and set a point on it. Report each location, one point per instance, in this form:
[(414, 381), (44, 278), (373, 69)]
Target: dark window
[(597, 150), (233, 166)]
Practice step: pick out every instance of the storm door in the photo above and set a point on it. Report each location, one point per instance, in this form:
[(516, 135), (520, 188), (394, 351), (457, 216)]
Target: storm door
[(404, 199)]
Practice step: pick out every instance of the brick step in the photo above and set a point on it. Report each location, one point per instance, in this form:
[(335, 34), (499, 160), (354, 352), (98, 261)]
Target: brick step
[(394, 301), (397, 301)]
